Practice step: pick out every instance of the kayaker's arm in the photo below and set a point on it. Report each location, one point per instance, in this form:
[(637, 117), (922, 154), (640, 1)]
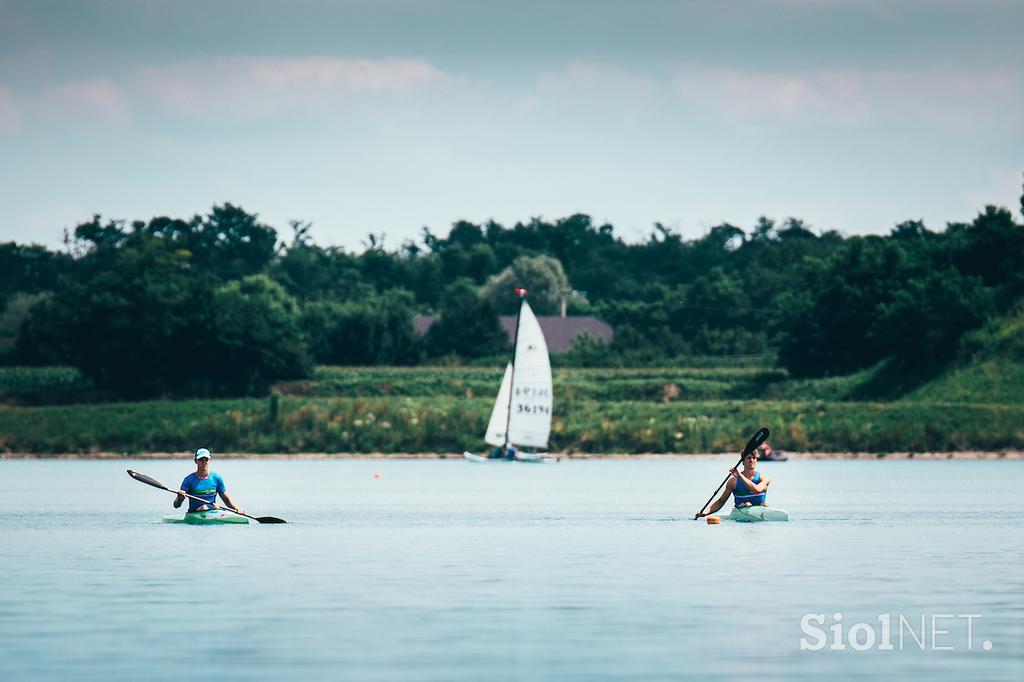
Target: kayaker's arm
[(179, 499), (229, 502), (722, 499), (754, 487)]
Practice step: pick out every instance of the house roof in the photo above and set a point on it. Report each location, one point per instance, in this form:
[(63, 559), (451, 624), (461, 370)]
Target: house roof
[(559, 332)]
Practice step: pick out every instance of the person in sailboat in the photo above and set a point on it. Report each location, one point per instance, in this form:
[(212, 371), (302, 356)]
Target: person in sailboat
[(507, 452), (746, 485)]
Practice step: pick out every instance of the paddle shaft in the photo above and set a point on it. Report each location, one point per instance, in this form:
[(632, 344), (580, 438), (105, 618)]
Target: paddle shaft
[(758, 438), (716, 492), (149, 480)]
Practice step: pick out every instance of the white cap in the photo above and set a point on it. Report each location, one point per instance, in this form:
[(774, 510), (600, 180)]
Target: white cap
[(202, 453)]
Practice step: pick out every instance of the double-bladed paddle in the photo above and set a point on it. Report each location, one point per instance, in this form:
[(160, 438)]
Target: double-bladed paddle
[(755, 440), (148, 480)]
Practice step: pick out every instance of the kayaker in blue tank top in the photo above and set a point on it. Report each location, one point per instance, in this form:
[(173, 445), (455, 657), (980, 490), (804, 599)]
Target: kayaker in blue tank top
[(746, 485), (205, 484)]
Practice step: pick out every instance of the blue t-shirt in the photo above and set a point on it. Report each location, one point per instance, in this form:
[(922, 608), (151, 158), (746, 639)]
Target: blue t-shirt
[(206, 488)]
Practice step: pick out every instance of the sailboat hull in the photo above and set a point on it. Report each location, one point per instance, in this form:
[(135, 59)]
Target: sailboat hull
[(527, 457), (536, 457)]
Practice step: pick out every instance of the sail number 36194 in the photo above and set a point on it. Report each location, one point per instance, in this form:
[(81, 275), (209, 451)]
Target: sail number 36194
[(528, 408)]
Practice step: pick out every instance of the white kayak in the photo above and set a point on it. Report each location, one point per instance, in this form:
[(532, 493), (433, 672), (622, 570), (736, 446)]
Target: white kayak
[(534, 457), (757, 513)]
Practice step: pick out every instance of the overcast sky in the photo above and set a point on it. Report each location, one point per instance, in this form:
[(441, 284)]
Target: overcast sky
[(391, 115)]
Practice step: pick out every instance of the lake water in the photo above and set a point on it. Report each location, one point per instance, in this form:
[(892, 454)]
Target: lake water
[(447, 570)]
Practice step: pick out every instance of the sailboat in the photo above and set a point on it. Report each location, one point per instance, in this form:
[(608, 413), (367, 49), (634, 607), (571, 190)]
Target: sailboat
[(522, 410)]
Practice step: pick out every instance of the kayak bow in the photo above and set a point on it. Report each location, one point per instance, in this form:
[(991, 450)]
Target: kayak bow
[(757, 513), (210, 517)]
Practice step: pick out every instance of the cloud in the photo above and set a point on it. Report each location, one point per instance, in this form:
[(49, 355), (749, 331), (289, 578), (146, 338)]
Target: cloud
[(231, 88), (82, 102), (256, 86), (100, 98), (852, 97), (952, 99)]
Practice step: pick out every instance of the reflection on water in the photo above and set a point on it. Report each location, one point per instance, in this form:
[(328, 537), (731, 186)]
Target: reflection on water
[(445, 570)]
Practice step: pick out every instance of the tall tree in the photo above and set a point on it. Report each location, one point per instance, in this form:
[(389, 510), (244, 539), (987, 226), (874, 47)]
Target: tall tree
[(371, 331), (257, 336), (468, 325), (542, 276), (136, 328), (923, 322), (234, 243)]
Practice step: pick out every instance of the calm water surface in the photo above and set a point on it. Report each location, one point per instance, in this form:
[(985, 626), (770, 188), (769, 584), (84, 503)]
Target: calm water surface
[(446, 570)]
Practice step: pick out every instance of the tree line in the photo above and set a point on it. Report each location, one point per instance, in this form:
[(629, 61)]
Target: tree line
[(221, 304)]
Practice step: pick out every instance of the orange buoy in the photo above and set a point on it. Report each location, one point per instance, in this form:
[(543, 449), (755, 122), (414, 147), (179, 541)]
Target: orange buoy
[(713, 520), (376, 474)]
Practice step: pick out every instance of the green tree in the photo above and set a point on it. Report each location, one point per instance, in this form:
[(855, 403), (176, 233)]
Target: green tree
[(542, 276), (227, 243), (923, 322), (136, 328), (234, 243), (991, 247), (15, 312), (30, 269), (468, 325), (374, 331), (257, 338), (825, 323), (309, 272)]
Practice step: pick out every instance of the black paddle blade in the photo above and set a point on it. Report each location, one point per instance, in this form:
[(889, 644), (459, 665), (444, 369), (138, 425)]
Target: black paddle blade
[(147, 480), (270, 519), (755, 440)]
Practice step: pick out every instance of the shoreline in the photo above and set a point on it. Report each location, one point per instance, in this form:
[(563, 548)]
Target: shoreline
[(793, 456)]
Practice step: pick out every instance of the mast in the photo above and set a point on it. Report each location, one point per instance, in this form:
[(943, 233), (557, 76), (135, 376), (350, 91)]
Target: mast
[(512, 376)]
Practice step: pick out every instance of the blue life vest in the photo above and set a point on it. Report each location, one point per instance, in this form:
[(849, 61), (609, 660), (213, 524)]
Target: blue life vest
[(742, 494)]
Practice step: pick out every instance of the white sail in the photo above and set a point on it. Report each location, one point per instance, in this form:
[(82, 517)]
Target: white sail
[(499, 416), (529, 384), (530, 424)]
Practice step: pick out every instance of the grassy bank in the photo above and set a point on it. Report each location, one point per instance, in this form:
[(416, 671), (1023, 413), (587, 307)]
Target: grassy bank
[(974, 404), (446, 424), (572, 384)]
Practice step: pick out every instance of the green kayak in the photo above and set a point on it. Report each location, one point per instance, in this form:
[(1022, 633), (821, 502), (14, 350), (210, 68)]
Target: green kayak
[(757, 513), (207, 518)]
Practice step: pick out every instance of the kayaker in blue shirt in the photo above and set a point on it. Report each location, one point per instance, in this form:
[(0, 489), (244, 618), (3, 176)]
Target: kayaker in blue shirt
[(747, 485), (205, 484)]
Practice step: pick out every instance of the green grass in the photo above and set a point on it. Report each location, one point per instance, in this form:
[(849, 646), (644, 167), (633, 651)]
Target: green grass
[(432, 424), (990, 368), (572, 384), (42, 384), (990, 381), (976, 403)]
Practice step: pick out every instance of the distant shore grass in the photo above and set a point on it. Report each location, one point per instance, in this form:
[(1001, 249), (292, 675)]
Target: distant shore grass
[(645, 384), (989, 382), (976, 406), (448, 424), (62, 384)]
